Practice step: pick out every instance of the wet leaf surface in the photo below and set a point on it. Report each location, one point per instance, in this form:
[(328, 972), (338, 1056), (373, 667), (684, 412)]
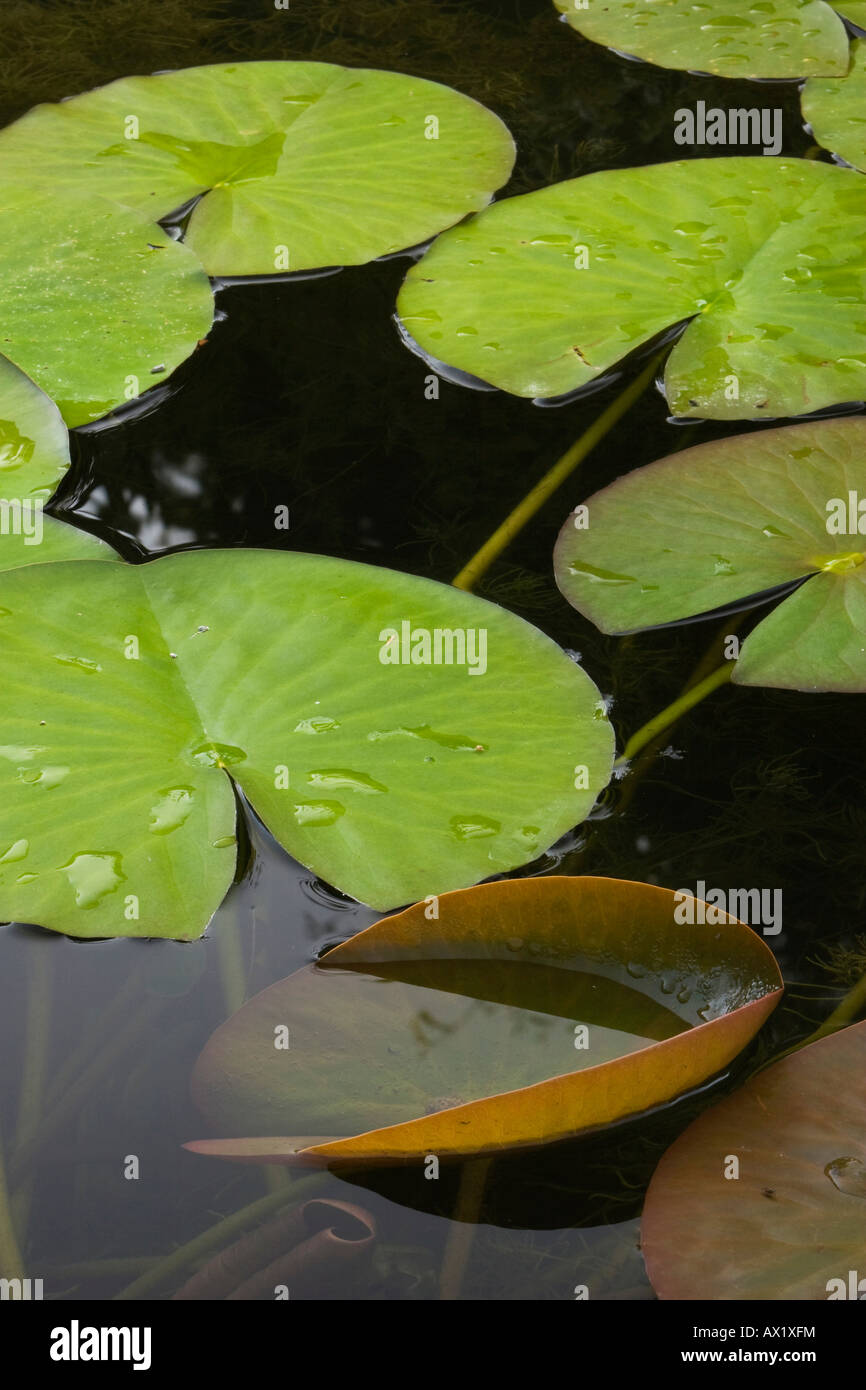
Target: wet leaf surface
[(541, 294), (302, 164), (836, 109), (793, 1220), (783, 38), (80, 270), (724, 521), (133, 694)]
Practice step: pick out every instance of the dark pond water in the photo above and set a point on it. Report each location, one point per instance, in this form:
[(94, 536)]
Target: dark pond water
[(304, 396)]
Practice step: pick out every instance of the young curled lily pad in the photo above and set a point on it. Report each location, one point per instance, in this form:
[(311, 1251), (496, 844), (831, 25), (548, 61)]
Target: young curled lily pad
[(722, 522), (398, 736), (301, 164), (507, 1015), (835, 108), (99, 303), (541, 294), (764, 1196), (779, 38)]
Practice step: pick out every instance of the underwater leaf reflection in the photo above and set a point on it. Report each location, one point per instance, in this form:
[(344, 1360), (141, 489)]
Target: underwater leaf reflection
[(541, 294), (295, 165), (792, 1225), (137, 697), (721, 522), (783, 38), (525, 1011)]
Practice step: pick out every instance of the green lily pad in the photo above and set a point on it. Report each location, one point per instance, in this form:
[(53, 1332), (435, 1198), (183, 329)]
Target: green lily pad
[(855, 10), (34, 444), (303, 164), (134, 695), (779, 38), (519, 1013), (38, 542), (722, 522), (98, 302), (34, 455), (836, 109), (774, 1181), (541, 294)]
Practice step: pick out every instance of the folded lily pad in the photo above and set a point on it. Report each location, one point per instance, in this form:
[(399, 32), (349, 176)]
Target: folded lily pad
[(302, 164), (398, 736), (98, 302), (541, 294), (783, 38), (773, 1183), (836, 109), (725, 521), (514, 1014)]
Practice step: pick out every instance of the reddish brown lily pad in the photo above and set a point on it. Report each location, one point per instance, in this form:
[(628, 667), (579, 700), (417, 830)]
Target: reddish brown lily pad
[(792, 1224)]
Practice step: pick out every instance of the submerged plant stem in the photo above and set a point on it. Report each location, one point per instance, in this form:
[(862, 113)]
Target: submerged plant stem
[(845, 1012), (215, 1237), (69, 1104), (11, 1261), (473, 1181), (534, 500), (672, 713)]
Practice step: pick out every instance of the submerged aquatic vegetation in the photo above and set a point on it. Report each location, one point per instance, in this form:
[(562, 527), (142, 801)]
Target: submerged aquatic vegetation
[(397, 736), (788, 1222), (732, 520), (542, 294), (513, 1014)]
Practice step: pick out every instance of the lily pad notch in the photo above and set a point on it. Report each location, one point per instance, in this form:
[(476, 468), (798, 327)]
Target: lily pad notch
[(399, 737), (721, 522), (291, 166)]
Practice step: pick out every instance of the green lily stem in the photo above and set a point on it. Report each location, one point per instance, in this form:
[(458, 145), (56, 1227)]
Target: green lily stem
[(11, 1261), (848, 1009), (534, 500), (219, 1235), (675, 711), (647, 756), (467, 1211), (845, 1012)]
